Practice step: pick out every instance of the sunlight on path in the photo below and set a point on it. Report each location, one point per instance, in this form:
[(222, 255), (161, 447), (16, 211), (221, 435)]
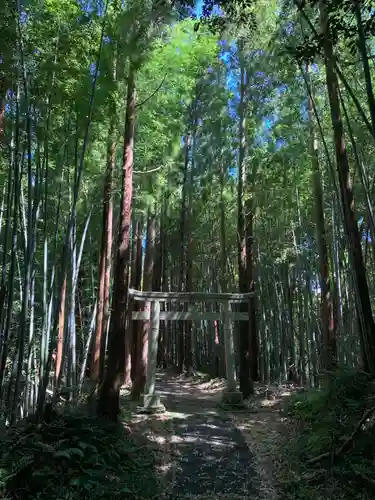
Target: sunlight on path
[(209, 454), (206, 453)]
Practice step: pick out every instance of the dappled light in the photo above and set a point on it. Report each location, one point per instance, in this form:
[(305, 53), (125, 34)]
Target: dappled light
[(187, 249), (204, 453)]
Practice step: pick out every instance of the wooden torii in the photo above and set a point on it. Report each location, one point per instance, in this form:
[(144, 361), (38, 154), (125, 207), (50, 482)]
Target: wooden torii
[(150, 400)]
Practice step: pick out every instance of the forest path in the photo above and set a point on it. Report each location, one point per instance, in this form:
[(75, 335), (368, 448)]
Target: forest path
[(205, 454), (212, 459)]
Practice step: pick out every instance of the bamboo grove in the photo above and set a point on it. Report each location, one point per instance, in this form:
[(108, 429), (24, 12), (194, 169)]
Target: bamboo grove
[(141, 148)]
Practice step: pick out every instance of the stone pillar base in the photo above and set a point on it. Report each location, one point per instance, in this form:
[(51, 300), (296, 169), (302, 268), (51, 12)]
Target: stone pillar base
[(232, 399), (150, 403)]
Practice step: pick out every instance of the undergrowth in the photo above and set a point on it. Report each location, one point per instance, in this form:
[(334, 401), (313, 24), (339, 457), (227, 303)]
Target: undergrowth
[(75, 457), (332, 448)]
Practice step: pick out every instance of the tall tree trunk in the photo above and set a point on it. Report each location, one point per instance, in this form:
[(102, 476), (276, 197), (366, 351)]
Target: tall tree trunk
[(246, 384), (366, 320), (189, 246), (105, 260), (253, 327), (223, 246), (108, 404), (136, 281), (61, 330), (156, 276), (183, 263), (128, 339), (108, 269), (290, 340), (140, 375), (164, 330), (365, 61), (329, 357), (218, 347), (157, 281), (189, 324)]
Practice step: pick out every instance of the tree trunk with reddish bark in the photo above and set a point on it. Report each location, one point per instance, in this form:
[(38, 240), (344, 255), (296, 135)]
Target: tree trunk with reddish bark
[(140, 375), (60, 330), (366, 320), (108, 404)]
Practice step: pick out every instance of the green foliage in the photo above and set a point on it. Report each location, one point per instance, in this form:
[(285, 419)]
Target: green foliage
[(76, 457), (325, 420)]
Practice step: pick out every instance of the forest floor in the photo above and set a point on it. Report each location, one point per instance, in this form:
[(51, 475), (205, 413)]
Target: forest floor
[(206, 453), (286, 444)]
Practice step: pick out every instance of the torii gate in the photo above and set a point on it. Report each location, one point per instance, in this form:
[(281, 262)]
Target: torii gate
[(150, 400)]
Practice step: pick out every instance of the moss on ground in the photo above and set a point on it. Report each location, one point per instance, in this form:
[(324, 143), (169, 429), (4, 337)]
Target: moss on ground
[(330, 449)]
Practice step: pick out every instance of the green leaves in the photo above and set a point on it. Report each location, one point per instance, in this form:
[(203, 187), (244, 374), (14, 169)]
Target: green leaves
[(178, 59), (75, 456)]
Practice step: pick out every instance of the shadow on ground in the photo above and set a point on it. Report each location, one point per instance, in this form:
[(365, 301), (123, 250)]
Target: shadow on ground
[(71, 455), (203, 454)]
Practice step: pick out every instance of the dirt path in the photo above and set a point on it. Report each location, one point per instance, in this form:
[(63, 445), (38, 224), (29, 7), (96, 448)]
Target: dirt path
[(209, 454), (211, 458)]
